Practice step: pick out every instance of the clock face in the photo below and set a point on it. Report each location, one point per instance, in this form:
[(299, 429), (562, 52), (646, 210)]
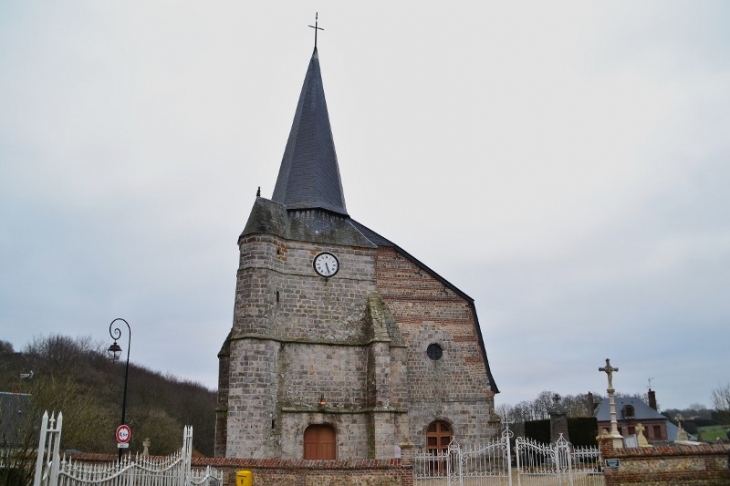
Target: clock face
[(326, 264)]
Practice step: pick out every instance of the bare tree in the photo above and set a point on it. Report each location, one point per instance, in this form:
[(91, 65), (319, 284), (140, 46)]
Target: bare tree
[(721, 397), (721, 401)]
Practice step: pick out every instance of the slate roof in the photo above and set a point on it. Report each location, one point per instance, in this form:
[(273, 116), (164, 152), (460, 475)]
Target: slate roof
[(309, 176), (642, 411)]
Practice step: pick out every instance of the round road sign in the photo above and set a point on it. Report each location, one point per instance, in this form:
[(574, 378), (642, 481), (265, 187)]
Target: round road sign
[(124, 434)]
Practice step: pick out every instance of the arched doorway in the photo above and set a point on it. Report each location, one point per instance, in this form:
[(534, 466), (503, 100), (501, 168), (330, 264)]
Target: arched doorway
[(438, 437), (320, 442)]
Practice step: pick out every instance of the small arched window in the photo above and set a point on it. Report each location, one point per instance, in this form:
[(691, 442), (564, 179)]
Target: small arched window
[(320, 442)]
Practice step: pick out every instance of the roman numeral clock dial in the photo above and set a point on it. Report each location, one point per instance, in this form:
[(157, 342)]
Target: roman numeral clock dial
[(326, 264)]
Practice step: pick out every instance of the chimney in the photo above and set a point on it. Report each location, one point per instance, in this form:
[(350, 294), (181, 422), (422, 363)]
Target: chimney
[(652, 399), (591, 403)]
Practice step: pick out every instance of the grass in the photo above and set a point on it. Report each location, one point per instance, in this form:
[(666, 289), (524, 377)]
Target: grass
[(710, 433)]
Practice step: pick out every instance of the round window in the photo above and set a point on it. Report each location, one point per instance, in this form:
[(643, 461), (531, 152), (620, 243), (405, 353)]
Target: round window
[(434, 351)]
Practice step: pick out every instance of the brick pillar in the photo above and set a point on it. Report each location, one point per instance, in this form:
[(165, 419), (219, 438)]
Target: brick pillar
[(605, 443), (406, 453)]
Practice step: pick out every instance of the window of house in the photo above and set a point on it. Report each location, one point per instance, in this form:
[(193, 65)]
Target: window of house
[(628, 411), (657, 429), (320, 442)]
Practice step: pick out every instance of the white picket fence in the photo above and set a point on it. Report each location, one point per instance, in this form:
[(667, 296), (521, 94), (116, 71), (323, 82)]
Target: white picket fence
[(490, 464), (174, 470)]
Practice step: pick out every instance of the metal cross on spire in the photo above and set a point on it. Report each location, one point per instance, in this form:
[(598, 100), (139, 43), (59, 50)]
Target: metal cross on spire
[(316, 27)]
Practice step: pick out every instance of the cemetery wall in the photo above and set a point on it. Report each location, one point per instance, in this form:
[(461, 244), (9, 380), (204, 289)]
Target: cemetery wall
[(282, 472), (275, 472), (704, 465)]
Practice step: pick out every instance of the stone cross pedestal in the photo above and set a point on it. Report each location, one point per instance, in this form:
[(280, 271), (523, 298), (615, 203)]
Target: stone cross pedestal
[(616, 438)]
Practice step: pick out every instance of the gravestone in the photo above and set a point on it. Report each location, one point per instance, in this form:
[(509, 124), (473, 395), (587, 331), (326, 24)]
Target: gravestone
[(640, 435), (558, 421)]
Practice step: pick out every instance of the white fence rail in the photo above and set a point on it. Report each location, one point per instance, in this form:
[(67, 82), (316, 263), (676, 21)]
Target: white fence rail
[(173, 470), (535, 464), (558, 464), (486, 464)]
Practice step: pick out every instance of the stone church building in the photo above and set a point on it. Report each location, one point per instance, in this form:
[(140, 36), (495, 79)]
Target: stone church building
[(343, 345)]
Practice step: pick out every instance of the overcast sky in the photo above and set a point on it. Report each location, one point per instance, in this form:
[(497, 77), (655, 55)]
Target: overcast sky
[(565, 164)]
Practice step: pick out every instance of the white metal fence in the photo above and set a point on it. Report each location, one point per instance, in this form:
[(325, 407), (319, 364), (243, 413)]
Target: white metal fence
[(558, 464), (174, 470), (486, 464), (535, 464)]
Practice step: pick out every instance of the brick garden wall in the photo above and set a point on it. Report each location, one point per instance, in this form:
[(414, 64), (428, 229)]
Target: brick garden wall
[(705, 465), (280, 472), (276, 472)]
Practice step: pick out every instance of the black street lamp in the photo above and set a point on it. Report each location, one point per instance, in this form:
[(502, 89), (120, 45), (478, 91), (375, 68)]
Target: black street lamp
[(115, 332)]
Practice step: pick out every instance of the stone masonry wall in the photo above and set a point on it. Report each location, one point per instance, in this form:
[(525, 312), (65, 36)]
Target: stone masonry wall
[(221, 409), (455, 388), (297, 337), (252, 399), (351, 432), (278, 293), (704, 465)]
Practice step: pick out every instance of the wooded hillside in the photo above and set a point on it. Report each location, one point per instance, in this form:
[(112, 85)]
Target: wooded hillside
[(80, 379)]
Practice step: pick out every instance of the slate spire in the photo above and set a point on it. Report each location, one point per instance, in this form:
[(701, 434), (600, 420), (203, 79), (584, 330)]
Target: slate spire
[(309, 176)]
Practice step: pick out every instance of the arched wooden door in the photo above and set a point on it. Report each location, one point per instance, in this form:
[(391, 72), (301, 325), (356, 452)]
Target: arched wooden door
[(320, 442), (438, 437)]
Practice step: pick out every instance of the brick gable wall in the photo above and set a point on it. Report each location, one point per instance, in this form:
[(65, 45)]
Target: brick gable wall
[(454, 389)]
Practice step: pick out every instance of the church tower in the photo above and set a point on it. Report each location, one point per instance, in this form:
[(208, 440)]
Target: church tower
[(343, 345)]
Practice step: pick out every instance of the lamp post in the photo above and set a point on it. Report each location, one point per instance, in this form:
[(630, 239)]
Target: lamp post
[(116, 332)]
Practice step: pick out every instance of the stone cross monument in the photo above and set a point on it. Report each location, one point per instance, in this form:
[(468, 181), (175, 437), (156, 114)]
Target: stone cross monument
[(640, 436), (681, 434), (616, 438), (558, 421)]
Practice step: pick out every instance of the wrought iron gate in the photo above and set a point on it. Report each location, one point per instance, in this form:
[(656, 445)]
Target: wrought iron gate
[(466, 465), (558, 464), (536, 464)]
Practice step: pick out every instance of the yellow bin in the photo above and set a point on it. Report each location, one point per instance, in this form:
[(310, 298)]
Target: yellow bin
[(244, 478)]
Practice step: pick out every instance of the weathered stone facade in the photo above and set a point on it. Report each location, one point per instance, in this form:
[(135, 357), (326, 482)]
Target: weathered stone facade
[(358, 341), (348, 350)]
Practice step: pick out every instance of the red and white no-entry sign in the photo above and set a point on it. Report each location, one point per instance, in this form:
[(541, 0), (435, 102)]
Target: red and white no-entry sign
[(124, 434)]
